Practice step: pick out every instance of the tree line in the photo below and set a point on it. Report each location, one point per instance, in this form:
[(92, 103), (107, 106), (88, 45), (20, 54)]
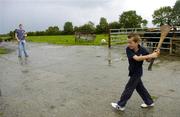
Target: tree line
[(128, 19)]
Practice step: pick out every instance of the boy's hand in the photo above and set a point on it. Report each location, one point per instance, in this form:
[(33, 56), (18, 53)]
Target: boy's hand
[(155, 54), (157, 51)]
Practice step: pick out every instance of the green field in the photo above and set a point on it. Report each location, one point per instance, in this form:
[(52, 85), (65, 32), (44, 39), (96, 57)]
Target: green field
[(3, 50), (4, 38), (67, 40)]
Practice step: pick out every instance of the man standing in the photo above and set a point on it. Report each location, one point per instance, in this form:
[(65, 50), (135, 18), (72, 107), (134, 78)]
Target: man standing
[(20, 35)]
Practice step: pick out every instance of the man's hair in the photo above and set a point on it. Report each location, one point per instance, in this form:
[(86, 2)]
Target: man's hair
[(135, 37), (20, 24)]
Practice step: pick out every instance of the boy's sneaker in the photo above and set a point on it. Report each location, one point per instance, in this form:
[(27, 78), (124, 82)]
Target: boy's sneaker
[(116, 106), (146, 106)]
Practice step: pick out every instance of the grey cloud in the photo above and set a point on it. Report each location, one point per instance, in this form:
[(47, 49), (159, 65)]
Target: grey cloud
[(39, 14), (67, 3)]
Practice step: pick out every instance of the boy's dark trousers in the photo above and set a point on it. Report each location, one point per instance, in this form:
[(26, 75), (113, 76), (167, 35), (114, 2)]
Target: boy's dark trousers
[(135, 83)]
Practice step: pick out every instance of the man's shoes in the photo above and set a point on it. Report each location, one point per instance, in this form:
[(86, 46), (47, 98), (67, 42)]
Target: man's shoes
[(19, 56), (146, 106), (26, 56), (116, 106)]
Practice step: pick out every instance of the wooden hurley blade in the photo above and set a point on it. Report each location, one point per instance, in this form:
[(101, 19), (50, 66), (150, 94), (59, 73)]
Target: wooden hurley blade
[(164, 31)]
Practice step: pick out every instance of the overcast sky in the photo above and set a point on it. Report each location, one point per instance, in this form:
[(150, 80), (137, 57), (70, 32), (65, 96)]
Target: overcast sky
[(39, 14)]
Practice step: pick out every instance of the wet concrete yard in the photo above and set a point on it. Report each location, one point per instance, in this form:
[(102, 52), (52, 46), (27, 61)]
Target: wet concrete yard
[(82, 81)]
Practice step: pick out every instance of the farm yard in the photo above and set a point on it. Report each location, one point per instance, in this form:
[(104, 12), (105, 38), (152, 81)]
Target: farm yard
[(81, 81), (89, 58)]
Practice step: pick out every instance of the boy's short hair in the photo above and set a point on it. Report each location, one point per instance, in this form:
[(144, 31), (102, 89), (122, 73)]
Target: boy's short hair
[(135, 37)]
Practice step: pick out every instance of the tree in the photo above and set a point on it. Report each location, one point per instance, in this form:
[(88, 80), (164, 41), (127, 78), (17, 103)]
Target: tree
[(87, 28), (52, 30), (129, 19), (103, 26), (42, 33), (177, 6), (76, 29), (162, 16), (68, 28), (114, 25), (98, 29), (144, 23), (12, 34), (176, 13), (31, 34)]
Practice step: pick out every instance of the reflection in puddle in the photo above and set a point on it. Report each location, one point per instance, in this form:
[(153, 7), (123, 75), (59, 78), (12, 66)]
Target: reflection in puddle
[(109, 57), (24, 71), (23, 61), (115, 57)]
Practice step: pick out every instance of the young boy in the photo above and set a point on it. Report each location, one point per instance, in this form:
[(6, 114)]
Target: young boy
[(136, 55)]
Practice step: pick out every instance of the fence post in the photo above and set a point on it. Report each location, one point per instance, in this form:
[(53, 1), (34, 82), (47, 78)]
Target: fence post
[(109, 39), (170, 47)]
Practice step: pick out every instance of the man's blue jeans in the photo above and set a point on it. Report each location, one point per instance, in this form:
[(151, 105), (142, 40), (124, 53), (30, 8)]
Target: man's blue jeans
[(21, 47)]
